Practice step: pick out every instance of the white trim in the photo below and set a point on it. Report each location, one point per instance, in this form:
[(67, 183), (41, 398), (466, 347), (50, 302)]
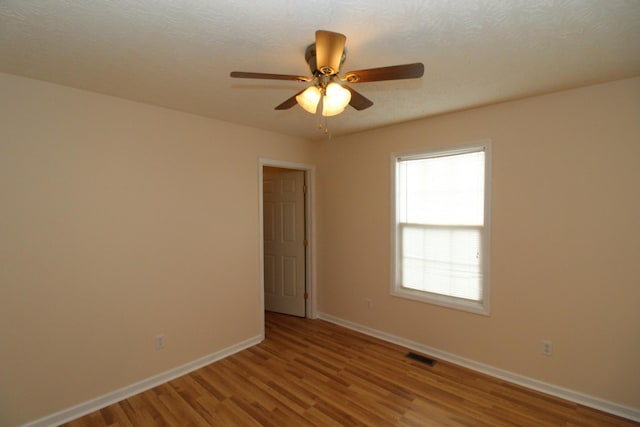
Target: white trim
[(475, 147), (553, 390), (310, 204), (100, 402), (482, 307)]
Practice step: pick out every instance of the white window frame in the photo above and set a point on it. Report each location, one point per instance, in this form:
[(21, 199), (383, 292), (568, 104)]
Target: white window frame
[(478, 307)]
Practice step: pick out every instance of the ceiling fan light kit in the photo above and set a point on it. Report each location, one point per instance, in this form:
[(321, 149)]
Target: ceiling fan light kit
[(333, 98), (325, 57)]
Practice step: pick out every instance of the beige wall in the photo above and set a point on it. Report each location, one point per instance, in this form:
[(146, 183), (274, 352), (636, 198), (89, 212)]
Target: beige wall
[(120, 221), (565, 238)]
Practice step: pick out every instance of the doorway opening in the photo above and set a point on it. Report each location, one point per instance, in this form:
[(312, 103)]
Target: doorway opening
[(287, 241)]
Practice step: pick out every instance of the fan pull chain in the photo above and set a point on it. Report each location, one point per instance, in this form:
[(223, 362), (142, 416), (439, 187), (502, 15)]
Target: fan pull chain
[(323, 127)]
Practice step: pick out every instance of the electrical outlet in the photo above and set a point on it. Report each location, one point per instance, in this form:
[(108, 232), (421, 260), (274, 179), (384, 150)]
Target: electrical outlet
[(369, 302), (159, 342), (547, 347)]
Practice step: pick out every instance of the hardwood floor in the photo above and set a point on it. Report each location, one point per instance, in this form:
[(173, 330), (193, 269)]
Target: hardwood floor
[(314, 373)]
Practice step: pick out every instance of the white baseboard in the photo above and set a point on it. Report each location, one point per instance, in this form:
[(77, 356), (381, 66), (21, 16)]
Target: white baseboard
[(115, 396), (563, 393)]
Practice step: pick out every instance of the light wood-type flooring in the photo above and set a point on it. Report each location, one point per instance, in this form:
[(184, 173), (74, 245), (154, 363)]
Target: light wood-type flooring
[(314, 373)]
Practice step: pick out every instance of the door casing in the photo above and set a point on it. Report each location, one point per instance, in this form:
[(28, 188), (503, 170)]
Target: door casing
[(310, 232)]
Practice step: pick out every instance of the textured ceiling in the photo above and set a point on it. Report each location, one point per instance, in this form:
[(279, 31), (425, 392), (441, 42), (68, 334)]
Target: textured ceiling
[(178, 53)]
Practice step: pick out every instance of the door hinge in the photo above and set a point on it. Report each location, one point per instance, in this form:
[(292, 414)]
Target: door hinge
[(305, 242), (306, 296), (304, 188)]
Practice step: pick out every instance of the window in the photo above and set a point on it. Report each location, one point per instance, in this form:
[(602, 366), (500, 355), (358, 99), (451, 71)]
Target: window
[(440, 227)]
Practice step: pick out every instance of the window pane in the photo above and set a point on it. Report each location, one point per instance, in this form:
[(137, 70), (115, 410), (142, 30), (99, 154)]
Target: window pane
[(442, 260), (442, 190)]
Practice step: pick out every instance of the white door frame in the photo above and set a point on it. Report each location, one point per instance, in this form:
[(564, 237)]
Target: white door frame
[(310, 231)]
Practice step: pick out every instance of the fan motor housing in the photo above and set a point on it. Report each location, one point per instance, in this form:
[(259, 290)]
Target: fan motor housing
[(310, 57)]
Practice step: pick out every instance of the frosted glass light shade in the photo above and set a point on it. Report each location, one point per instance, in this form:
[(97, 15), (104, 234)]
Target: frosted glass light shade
[(335, 100), (309, 99)]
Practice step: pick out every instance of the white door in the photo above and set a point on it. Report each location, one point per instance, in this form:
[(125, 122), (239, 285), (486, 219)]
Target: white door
[(284, 241)]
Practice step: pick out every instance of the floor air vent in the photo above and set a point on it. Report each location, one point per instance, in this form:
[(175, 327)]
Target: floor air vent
[(421, 358)]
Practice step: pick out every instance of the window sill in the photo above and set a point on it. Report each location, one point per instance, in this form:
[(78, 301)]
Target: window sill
[(476, 307)]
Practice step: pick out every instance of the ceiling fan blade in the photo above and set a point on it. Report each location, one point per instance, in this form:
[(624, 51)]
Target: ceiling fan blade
[(245, 75), (394, 72), (289, 102), (358, 101), (329, 50)]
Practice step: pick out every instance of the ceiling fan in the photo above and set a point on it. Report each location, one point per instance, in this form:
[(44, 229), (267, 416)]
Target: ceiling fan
[(325, 57)]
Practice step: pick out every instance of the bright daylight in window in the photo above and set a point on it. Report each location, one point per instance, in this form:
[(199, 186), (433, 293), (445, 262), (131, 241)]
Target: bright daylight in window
[(441, 230)]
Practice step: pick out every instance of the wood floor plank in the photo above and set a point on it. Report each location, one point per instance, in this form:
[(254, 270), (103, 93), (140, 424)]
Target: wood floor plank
[(313, 373)]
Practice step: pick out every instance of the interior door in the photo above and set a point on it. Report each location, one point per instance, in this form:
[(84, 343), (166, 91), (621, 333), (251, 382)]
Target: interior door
[(284, 241)]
